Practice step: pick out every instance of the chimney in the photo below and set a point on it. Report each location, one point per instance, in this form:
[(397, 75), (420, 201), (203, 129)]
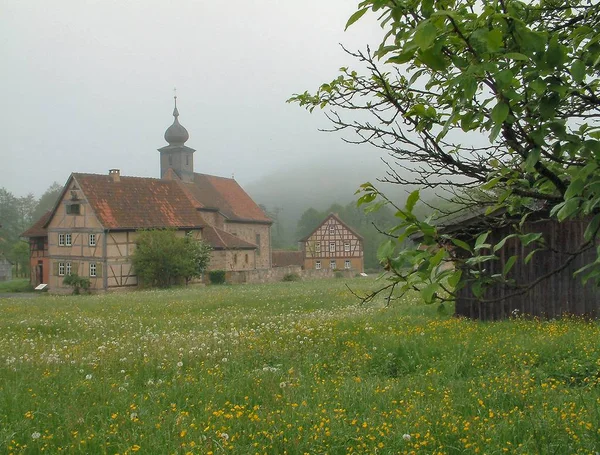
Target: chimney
[(115, 174)]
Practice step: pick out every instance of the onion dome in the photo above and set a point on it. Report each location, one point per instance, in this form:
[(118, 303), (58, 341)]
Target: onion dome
[(176, 134)]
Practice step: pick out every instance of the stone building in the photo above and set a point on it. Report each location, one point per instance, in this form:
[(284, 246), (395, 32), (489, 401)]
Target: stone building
[(92, 229), (335, 245)]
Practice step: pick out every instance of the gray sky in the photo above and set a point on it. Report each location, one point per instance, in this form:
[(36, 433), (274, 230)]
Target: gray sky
[(88, 85)]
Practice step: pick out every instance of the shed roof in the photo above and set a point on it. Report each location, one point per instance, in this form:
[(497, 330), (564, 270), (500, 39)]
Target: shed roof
[(39, 227)]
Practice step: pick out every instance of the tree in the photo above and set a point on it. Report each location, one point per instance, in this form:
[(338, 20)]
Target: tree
[(161, 258), (19, 256), (47, 201), (503, 94)]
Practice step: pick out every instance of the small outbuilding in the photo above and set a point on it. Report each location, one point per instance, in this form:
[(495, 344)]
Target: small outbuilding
[(544, 287)]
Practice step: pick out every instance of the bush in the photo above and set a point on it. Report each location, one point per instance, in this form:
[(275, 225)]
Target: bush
[(77, 283), (161, 258), (291, 277), (339, 274), (216, 276)]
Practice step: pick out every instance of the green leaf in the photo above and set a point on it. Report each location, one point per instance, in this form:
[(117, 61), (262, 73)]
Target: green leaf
[(454, 279), (479, 242), (501, 243), (529, 257), (425, 35), (428, 292), (433, 58), (500, 112), (356, 16), (592, 228), (516, 56), (459, 243), (412, 200), (568, 209), (509, 265), (575, 188), (386, 249), (578, 70), (527, 239), (494, 40)]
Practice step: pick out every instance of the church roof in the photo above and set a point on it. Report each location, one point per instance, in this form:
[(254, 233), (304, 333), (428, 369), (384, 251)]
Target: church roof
[(226, 196), (39, 227), (138, 202)]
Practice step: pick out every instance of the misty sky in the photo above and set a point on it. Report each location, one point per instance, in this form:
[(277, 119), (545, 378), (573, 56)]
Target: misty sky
[(88, 85)]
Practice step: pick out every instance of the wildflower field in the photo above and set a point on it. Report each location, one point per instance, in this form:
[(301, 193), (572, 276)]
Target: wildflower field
[(296, 368)]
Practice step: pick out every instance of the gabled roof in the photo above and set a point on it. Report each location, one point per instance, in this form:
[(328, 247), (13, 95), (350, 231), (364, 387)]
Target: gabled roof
[(221, 240), (138, 202), (226, 196), (338, 219), (39, 227)]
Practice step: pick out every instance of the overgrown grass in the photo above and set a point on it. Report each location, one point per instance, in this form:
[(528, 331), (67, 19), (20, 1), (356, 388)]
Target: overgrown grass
[(17, 285), (289, 368)]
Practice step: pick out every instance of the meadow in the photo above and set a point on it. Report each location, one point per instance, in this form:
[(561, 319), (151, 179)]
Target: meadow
[(289, 368)]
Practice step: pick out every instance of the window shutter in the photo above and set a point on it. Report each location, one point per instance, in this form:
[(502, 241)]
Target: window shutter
[(55, 268), (75, 268), (99, 270)]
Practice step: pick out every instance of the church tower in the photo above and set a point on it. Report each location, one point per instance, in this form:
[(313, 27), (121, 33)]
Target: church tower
[(176, 155)]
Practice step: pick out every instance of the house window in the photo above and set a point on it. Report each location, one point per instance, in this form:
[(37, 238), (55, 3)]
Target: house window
[(235, 258), (92, 239), (331, 247), (332, 264), (67, 268), (258, 244), (187, 160), (246, 258), (318, 265), (92, 269), (73, 209), (61, 269), (347, 264), (68, 239), (331, 229), (317, 247), (346, 246), (61, 239), (39, 243)]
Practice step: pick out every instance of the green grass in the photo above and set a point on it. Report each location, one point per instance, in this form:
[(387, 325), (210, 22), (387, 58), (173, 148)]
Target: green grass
[(16, 285), (291, 368)]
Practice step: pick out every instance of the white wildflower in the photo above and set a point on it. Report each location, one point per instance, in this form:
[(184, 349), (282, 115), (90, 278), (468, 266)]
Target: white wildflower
[(36, 435), (406, 437)]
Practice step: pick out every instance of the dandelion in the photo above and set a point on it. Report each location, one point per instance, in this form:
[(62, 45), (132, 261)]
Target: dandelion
[(283, 384), (406, 437), (225, 436), (88, 377), (133, 416), (36, 435), (179, 364)]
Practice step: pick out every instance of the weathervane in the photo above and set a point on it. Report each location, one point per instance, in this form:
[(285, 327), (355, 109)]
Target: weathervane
[(175, 95)]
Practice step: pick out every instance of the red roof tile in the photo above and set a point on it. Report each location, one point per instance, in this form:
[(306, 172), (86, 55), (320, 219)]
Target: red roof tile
[(212, 192), (285, 258), (38, 229), (138, 202), (221, 240)]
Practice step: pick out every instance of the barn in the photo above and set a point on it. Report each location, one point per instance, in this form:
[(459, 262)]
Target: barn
[(544, 287)]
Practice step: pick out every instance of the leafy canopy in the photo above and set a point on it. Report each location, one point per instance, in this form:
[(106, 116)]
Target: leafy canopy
[(161, 258), (500, 97)]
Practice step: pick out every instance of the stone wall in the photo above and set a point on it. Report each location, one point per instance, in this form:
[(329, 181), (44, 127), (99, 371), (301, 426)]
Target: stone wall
[(277, 274)]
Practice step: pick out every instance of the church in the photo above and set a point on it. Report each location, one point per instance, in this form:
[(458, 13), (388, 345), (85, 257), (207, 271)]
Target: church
[(92, 229)]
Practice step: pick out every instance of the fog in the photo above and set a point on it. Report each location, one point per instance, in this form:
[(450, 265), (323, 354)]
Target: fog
[(88, 86)]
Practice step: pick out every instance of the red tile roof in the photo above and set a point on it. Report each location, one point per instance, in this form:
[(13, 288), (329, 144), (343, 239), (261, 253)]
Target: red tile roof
[(286, 258), (138, 202), (212, 192), (221, 240), (38, 229)]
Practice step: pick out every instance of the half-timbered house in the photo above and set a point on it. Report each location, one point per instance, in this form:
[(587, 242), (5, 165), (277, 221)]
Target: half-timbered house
[(92, 229), (335, 245)]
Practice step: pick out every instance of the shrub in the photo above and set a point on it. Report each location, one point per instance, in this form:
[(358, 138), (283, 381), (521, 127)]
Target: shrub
[(216, 276), (339, 274), (161, 258), (291, 277), (77, 283)]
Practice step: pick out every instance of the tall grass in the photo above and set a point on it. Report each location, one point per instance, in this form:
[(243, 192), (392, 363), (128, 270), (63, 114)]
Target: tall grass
[(289, 368)]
